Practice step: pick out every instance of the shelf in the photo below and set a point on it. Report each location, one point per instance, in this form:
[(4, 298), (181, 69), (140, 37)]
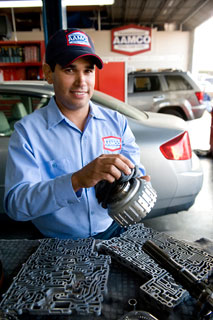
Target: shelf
[(17, 43), (20, 64), (26, 59)]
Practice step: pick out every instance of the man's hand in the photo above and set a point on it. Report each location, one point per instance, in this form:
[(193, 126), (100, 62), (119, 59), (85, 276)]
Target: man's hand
[(105, 167), (147, 178)]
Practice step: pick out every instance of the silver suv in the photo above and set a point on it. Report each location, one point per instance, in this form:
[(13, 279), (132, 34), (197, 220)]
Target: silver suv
[(171, 92)]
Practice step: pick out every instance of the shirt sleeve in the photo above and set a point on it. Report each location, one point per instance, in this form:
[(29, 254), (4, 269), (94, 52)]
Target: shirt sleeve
[(26, 195), (130, 149)]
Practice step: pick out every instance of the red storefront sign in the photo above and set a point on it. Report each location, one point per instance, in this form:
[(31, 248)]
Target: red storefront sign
[(131, 39)]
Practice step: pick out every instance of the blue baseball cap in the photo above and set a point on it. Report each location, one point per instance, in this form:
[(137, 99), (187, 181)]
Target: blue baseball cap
[(66, 46)]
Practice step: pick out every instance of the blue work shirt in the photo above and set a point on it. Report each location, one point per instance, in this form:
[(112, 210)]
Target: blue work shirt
[(45, 149)]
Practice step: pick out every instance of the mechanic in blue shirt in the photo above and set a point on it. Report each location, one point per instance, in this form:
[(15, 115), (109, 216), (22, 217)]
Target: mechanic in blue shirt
[(60, 152)]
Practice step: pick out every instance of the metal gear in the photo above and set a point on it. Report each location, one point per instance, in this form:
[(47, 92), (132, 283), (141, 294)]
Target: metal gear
[(131, 202)]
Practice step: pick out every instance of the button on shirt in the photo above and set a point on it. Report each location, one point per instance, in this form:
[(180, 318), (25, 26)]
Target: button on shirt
[(45, 150)]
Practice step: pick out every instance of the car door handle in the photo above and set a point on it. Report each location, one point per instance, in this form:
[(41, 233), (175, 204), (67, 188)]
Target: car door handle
[(156, 98)]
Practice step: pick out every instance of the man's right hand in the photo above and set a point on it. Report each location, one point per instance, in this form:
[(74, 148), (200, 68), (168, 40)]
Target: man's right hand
[(105, 167)]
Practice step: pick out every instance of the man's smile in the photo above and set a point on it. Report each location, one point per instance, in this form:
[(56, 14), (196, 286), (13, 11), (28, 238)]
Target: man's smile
[(79, 93)]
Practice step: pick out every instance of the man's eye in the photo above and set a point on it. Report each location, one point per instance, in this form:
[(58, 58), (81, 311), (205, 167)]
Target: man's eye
[(90, 70), (68, 70)]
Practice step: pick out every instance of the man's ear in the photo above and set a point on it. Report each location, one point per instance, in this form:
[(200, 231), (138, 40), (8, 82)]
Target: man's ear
[(48, 74)]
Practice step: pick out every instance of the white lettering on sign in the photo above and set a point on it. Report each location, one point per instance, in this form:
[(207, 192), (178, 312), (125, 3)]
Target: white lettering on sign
[(131, 40), (136, 40)]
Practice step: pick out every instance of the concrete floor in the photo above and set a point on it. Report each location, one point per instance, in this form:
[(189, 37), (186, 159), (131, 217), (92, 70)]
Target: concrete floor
[(197, 222)]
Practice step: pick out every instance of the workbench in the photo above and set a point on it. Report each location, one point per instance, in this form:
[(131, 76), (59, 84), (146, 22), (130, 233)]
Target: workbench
[(123, 292)]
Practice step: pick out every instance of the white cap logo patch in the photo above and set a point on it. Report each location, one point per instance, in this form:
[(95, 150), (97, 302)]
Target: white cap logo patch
[(111, 143), (77, 38)]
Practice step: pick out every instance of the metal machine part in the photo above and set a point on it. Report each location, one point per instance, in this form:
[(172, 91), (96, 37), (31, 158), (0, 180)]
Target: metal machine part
[(131, 202), (138, 315), (128, 199), (200, 290), (160, 289), (1, 274), (132, 303), (61, 277), (7, 316)]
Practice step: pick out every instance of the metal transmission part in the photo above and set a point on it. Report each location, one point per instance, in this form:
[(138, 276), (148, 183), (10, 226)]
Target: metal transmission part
[(61, 278), (128, 199), (132, 202), (198, 289), (158, 287), (138, 315)]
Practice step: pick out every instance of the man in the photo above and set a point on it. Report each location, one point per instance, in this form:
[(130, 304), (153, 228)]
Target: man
[(58, 153)]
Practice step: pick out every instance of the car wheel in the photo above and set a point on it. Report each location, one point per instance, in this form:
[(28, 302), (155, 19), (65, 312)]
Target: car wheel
[(175, 112)]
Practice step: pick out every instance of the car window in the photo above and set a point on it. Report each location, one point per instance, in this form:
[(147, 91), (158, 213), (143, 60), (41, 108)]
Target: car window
[(146, 83), (176, 83), (14, 107), (112, 103)]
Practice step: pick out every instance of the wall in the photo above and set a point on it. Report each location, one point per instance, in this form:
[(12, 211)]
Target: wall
[(28, 35), (170, 49)]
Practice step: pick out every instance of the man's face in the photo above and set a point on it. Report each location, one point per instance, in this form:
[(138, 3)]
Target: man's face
[(74, 84)]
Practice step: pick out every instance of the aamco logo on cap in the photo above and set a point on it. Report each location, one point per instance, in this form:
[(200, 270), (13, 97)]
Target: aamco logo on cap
[(77, 38), (111, 143)]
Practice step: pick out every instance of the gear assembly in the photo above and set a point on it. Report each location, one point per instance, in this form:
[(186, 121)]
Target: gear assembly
[(128, 199)]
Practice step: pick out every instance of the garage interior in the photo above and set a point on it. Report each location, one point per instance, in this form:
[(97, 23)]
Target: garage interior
[(193, 226), (163, 15)]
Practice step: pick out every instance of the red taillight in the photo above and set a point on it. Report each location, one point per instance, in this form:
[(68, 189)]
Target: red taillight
[(178, 148), (199, 95)]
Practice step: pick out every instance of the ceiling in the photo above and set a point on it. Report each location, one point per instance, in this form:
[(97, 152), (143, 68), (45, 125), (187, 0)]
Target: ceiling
[(183, 14), (161, 14)]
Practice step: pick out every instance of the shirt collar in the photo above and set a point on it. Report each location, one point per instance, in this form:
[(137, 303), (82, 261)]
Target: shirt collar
[(96, 111), (55, 116)]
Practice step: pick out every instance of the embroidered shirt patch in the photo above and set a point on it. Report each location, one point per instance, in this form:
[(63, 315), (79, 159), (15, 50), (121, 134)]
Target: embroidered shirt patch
[(111, 143)]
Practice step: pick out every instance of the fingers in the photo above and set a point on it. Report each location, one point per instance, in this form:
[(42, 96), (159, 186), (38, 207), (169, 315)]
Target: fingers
[(115, 164), (105, 167), (110, 172), (119, 157), (147, 178)]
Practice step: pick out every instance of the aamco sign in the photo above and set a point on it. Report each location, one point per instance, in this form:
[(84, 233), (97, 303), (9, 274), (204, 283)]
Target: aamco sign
[(131, 39)]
